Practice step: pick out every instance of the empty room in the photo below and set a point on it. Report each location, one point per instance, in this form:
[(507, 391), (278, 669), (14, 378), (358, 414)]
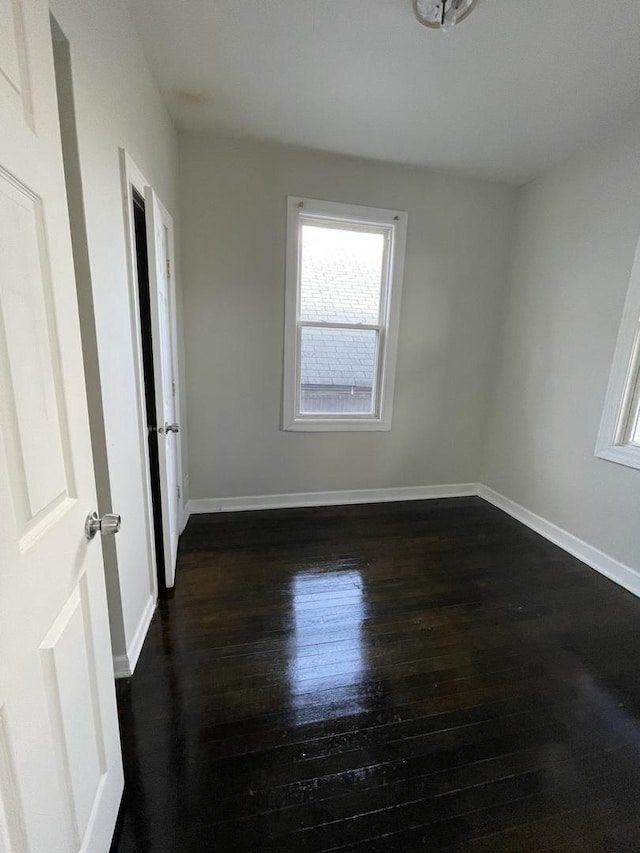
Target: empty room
[(320, 426)]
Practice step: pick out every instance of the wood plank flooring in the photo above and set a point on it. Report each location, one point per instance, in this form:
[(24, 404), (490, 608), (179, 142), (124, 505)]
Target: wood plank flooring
[(424, 676)]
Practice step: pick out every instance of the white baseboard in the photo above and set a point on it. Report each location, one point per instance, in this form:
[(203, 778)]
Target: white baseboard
[(124, 665), (185, 516), (341, 498), (616, 571)]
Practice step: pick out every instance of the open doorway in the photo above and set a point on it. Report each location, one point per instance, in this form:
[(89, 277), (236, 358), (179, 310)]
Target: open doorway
[(146, 341), (152, 291)]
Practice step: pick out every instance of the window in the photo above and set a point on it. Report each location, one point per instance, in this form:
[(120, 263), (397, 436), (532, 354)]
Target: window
[(619, 436), (344, 276)]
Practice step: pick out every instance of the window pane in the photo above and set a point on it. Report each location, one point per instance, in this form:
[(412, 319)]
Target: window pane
[(635, 425), (341, 275), (337, 371)]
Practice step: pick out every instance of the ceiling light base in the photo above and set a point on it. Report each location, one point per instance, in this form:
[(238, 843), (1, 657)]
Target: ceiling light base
[(442, 14)]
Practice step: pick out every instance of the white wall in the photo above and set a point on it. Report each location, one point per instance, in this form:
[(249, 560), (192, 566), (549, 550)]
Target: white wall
[(117, 104), (233, 202), (576, 235)]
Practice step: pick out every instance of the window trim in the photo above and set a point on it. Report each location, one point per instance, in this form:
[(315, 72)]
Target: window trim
[(395, 223), (622, 402)]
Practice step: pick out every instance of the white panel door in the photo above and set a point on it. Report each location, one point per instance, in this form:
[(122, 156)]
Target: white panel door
[(60, 764), (163, 332)]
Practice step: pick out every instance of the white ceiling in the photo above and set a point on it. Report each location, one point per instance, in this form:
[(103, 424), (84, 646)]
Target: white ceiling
[(512, 90)]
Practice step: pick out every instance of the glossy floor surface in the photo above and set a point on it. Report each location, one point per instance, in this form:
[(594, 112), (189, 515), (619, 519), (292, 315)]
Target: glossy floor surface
[(423, 676)]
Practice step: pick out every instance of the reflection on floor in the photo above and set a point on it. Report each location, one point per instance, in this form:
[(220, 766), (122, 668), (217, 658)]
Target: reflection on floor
[(314, 666), (425, 676)]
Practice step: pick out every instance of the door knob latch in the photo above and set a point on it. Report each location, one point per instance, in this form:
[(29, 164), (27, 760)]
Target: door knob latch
[(171, 428), (107, 525)]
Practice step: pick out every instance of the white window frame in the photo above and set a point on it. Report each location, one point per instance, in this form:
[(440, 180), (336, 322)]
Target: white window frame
[(622, 403), (394, 224)]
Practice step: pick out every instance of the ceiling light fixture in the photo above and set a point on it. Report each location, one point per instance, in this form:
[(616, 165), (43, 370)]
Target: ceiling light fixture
[(442, 14)]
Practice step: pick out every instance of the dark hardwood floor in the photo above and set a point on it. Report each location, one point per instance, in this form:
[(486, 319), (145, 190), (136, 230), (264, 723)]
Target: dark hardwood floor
[(395, 677)]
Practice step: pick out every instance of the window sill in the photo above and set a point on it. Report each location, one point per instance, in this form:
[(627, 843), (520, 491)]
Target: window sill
[(342, 425), (622, 454)]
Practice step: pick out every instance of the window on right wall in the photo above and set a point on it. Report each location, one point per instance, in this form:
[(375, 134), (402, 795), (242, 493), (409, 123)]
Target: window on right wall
[(619, 436)]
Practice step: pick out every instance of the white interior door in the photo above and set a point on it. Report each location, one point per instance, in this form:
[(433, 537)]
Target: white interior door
[(163, 331), (60, 765)]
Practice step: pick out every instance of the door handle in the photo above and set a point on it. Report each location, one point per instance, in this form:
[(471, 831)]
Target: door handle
[(166, 428), (107, 525)]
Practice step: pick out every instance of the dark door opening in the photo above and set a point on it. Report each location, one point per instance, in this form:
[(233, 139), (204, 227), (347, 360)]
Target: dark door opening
[(142, 264)]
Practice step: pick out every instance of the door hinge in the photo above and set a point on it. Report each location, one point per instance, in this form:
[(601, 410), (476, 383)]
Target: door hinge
[(178, 490), (173, 387), (168, 268)]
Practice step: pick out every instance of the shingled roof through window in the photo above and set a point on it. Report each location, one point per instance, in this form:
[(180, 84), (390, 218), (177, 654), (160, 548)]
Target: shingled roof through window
[(340, 283)]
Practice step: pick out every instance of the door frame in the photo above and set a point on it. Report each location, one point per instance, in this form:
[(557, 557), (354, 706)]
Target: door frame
[(132, 178)]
